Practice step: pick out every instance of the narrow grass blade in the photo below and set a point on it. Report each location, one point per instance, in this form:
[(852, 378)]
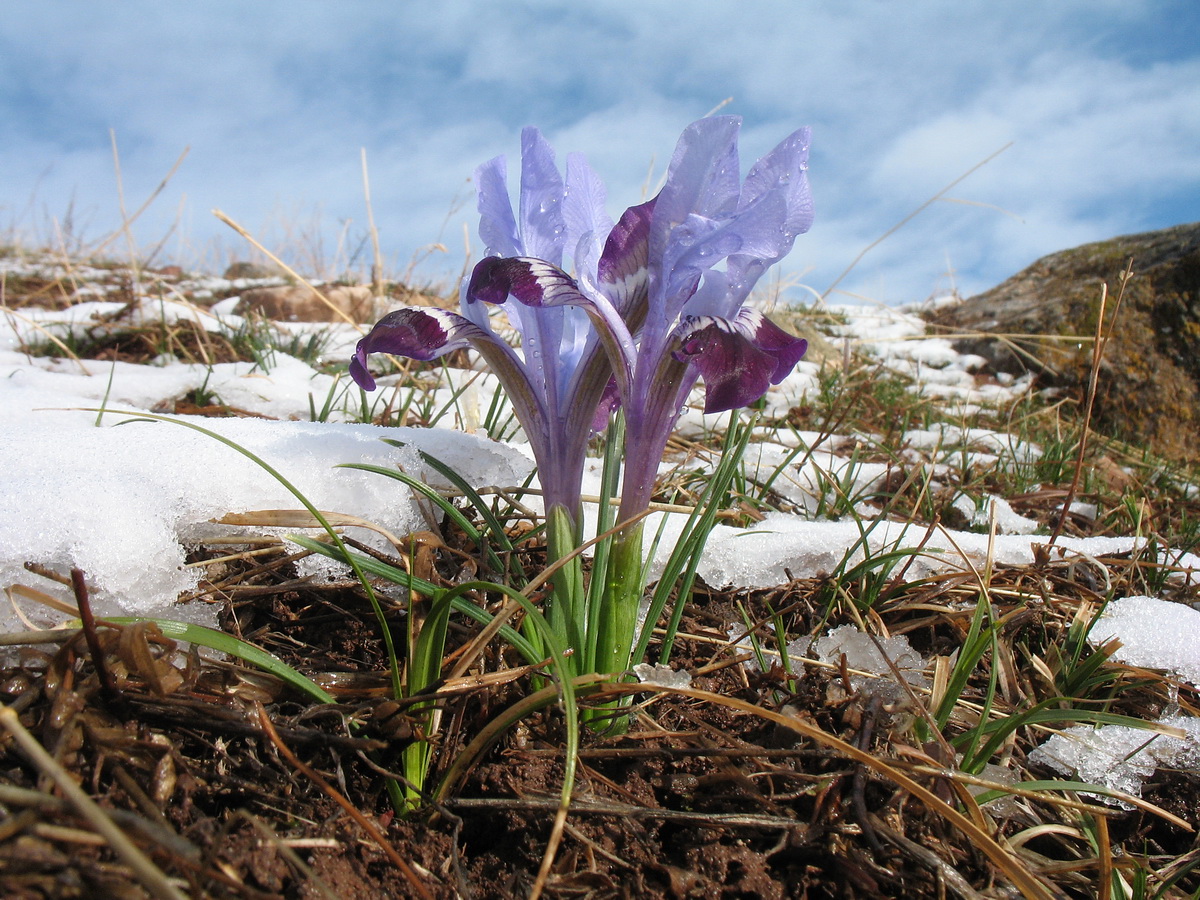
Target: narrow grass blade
[(226, 643), (495, 528), (452, 512), (382, 570)]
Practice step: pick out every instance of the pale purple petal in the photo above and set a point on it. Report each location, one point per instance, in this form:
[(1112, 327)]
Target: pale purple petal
[(692, 249), (542, 228), (711, 298), (703, 178), (775, 207), (497, 225), (584, 214), (784, 169)]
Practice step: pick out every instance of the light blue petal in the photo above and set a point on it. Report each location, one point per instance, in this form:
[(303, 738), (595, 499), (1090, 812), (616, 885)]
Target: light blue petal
[(703, 178), (775, 205), (584, 214), (497, 226), (784, 169), (543, 231)]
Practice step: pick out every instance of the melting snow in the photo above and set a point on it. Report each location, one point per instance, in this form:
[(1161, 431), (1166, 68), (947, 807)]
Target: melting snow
[(1007, 520), (662, 676), (866, 656), (872, 654), (1119, 757), (1154, 634), (121, 502)]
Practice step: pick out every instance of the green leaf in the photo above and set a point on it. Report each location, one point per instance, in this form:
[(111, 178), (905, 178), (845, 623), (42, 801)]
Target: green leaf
[(226, 643)]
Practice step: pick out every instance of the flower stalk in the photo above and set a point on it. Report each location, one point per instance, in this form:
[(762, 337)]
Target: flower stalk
[(626, 316)]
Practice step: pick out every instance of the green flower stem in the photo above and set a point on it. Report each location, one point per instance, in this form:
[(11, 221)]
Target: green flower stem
[(618, 620), (566, 610)]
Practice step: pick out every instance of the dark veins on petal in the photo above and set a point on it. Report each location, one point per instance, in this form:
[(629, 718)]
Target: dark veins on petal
[(405, 332), (627, 249), (739, 360), (533, 282)]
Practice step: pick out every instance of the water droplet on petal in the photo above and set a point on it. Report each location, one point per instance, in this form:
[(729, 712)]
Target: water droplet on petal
[(729, 245)]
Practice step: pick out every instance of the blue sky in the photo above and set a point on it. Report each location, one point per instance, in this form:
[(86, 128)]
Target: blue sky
[(1100, 100)]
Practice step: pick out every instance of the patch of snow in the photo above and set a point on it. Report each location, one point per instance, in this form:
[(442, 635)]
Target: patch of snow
[(813, 479), (867, 654), (1008, 521), (898, 338), (662, 676), (782, 546), (1154, 634), (120, 502), (1119, 757), (951, 440)]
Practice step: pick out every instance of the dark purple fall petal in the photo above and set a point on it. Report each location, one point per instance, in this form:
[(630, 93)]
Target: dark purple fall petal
[(623, 265), (739, 359), (534, 282), (415, 333), (359, 372), (786, 350)]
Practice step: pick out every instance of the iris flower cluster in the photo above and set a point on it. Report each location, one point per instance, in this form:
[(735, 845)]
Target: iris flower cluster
[(625, 316)]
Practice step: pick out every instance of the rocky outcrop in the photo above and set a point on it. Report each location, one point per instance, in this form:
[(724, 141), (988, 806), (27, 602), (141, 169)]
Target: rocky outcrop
[(1043, 319), (239, 270), (299, 303)]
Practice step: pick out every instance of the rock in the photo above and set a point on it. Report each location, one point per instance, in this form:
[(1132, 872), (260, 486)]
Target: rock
[(298, 303), (249, 270), (1148, 391)]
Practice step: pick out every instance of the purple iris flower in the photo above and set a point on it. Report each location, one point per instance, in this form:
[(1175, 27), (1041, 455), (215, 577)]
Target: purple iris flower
[(560, 381), (663, 311)]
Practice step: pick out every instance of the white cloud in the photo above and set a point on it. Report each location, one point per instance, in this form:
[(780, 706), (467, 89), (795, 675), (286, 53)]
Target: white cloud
[(1101, 100)]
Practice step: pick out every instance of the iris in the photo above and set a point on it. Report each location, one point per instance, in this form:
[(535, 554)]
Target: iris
[(662, 310), (642, 310), (557, 381)]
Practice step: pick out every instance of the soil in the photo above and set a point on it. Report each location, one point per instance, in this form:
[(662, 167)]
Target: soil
[(694, 800)]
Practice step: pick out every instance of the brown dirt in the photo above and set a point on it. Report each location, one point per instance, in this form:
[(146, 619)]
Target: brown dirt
[(695, 801)]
